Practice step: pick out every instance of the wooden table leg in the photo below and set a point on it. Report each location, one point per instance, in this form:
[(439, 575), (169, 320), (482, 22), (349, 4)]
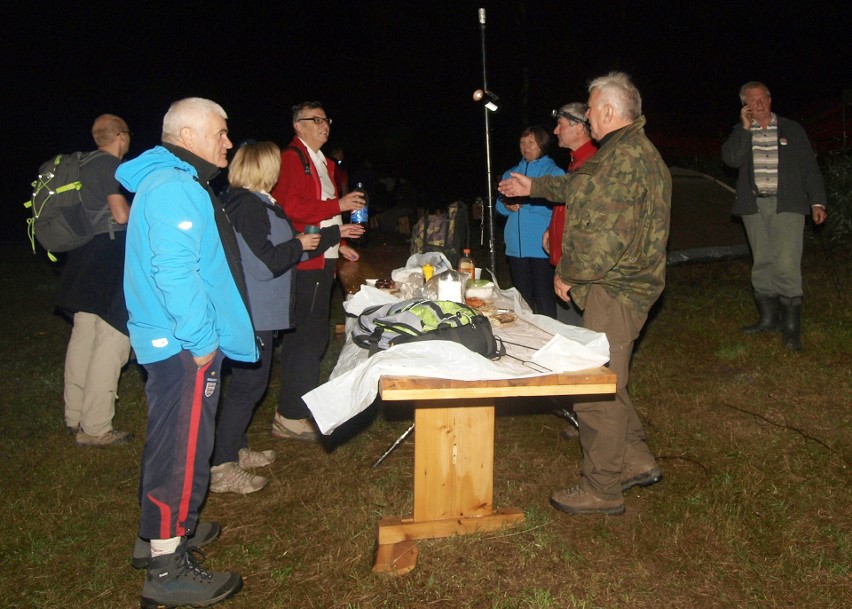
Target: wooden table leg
[(453, 482)]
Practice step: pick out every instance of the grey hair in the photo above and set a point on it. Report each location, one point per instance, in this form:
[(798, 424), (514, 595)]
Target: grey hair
[(298, 109), (753, 84), (189, 112), (618, 91), (579, 110)]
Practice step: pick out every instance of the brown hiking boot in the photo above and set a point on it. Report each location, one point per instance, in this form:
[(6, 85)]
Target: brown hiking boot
[(294, 429), (249, 459), (640, 476), (570, 432), (111, 438), (231, 478), (575, 500)]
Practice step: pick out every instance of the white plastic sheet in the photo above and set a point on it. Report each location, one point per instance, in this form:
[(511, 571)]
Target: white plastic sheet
[(535, 345)]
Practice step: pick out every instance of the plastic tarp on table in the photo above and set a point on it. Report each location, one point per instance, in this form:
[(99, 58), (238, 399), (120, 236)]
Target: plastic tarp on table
[(536, 345)]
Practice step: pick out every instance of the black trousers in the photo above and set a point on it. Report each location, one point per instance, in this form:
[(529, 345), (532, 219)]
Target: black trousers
[(182, 401), (303, 347), (533, 278), (245, 391)]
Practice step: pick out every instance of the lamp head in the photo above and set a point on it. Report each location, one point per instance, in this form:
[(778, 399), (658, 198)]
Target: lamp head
[(491, 101)]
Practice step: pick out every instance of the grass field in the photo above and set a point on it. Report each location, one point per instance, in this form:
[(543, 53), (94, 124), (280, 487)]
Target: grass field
[(754, 441)]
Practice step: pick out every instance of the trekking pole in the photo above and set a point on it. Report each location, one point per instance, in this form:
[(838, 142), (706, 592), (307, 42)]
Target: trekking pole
[(393, 446)]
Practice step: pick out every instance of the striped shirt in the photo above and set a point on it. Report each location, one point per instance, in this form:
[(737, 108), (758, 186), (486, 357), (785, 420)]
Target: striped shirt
[(764, 150)]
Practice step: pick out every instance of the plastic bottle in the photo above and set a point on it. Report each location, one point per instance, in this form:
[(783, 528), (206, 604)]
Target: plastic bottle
[(361, 216), (466, 265)]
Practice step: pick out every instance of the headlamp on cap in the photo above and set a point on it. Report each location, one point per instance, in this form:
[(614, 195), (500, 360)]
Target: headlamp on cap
[(568, 116)]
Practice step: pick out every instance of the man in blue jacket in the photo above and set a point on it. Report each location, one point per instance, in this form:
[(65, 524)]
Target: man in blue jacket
[(187, 303), (779, 184)]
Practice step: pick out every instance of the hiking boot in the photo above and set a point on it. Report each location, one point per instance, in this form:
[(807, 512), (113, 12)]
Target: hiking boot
[(204, 533), (294, 429), (256, 458), (570, 432), (231, 478), (640, 477), (175, 580), (575, 500), (110, 438)]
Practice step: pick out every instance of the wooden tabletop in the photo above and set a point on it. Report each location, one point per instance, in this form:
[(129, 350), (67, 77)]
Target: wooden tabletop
[(585, 382)]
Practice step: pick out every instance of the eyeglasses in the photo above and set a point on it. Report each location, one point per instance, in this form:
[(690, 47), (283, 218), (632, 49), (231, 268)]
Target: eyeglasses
[(557, 113), (130, 133), (317, 120)]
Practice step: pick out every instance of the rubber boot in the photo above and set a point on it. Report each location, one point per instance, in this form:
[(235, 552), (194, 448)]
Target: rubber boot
[(175, 580), (768, 308), (791, 322)]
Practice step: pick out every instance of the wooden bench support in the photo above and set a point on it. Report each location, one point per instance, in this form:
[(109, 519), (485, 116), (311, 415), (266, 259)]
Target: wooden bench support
[(397, 551)]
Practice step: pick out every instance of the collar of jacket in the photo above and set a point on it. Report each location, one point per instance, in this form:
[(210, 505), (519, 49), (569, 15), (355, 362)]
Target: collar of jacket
[(581, 155), (206, 171), (614, 136)]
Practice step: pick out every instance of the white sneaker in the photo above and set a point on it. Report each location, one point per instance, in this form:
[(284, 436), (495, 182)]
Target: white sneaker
[(294, 429), (256, 458), (231, 478)]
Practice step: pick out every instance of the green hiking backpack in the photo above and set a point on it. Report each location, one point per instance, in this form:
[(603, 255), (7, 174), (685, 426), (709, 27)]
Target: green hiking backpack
[(59, 220), (383, 326)]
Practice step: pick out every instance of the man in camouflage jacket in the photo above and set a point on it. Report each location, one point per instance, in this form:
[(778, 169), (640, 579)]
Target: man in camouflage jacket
[(613, 266)]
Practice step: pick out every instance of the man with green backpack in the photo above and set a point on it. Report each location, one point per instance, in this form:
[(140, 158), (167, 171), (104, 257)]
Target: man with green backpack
[(90, 293)]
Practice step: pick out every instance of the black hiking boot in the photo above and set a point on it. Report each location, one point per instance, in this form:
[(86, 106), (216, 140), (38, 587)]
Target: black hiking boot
[(176, 580), (768, 308)]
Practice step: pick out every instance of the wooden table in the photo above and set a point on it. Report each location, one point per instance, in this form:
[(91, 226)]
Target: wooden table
[(454, 456)]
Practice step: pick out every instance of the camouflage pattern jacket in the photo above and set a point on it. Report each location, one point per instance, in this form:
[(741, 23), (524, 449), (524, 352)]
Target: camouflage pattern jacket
[(617, 219)]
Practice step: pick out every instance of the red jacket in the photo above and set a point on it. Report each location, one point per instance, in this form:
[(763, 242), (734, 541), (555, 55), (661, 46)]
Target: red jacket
[(300, 194), (557, 220)]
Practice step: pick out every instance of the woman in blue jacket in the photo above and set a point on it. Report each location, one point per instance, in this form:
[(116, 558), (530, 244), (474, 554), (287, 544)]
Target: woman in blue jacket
[(528, 219)]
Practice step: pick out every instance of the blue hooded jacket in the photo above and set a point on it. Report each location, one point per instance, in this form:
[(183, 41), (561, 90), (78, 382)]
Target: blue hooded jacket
[(180, 290), (525, 227)]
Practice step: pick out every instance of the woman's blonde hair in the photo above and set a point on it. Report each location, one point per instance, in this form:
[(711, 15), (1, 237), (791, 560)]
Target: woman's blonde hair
[(256, 166)]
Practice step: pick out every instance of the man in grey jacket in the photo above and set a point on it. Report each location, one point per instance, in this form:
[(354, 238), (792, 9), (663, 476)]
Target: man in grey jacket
[(779, 184)]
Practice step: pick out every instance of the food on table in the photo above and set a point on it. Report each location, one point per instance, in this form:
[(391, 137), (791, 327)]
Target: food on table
[(502, 319)]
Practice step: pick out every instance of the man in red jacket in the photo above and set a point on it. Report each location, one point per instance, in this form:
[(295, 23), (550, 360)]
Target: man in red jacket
[(572, 131), (306, 191)]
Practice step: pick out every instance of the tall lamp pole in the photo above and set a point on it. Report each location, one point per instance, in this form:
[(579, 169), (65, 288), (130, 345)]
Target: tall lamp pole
[(492, 253)]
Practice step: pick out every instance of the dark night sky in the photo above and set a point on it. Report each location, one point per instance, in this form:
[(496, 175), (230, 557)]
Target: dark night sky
[(397, 76)]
